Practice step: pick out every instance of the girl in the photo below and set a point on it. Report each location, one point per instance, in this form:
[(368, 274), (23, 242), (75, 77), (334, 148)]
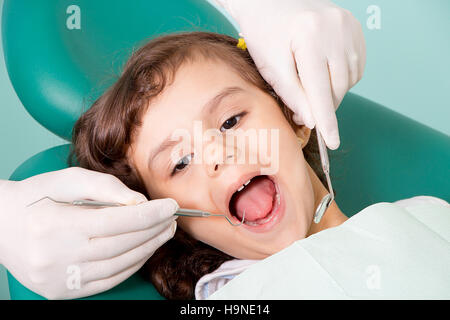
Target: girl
[(170, 85)]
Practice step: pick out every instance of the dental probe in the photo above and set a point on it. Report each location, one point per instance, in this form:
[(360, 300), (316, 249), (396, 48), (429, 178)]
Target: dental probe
[(180, 212)]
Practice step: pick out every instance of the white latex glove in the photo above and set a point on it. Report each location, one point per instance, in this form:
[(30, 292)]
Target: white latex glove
[(61, 251), (310, 51)]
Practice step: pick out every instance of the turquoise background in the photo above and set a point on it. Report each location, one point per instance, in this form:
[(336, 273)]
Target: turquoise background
[(410, 78)]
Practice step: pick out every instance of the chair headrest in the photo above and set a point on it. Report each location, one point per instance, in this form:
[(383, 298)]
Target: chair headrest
[(60, 56)]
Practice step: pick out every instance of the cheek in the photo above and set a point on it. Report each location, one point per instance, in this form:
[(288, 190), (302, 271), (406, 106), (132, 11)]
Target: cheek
[(295, 173), (302, 199)]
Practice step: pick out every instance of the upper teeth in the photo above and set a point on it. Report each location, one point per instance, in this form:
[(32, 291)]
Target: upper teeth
[(242, 187)]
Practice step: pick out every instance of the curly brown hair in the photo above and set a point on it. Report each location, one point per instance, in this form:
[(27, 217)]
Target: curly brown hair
[(103, 134)]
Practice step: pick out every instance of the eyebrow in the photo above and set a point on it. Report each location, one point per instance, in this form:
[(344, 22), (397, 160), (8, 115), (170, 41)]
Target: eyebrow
[(212, 105), (207, 109)]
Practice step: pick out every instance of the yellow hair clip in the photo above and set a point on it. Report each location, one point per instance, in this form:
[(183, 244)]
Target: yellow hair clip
[(241, 44)]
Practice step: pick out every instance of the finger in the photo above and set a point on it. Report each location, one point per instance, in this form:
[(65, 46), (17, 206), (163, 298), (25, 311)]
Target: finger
[(110, 247), (316, 83), (81, 183), (356, 52), (112, 221), (98, 286), (359, 44), (103, 269), (362, 59), (286, 83), (339, 75), (353, 66)]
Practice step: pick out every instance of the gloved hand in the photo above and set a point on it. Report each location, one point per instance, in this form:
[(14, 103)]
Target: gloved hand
[(310, 51), (61, 251)]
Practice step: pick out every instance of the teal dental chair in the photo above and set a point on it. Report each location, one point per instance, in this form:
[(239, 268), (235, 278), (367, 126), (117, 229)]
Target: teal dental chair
[(74, 47)]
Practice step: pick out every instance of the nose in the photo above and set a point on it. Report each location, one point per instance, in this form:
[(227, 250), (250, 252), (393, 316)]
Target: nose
[(217, 155)]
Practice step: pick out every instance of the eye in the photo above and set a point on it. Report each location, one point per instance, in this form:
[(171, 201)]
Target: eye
[(231, 122), (183, 163)]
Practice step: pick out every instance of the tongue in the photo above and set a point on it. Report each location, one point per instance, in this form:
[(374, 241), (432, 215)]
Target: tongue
[(256, 199)]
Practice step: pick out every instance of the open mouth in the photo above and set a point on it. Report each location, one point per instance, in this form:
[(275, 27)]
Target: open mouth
[(259, 197)]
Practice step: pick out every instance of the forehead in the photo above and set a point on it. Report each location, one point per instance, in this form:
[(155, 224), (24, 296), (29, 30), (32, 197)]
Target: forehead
[(195, 83), (181, 102)]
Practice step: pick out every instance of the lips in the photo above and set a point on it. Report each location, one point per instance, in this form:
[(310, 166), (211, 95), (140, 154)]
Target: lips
[(260, 197)]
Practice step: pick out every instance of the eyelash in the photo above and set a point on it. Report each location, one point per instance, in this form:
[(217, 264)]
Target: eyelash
[(183, 163), (239, 116)]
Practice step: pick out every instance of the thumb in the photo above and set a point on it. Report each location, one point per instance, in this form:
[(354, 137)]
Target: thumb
[(329, 131)]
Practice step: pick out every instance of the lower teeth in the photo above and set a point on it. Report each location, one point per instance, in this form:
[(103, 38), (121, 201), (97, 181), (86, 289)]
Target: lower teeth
[(259, 221)]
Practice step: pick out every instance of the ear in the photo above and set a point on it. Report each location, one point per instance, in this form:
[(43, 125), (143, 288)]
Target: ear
[(303, 133)]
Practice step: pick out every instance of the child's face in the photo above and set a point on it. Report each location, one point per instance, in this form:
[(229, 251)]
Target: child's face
[(285, 195)]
